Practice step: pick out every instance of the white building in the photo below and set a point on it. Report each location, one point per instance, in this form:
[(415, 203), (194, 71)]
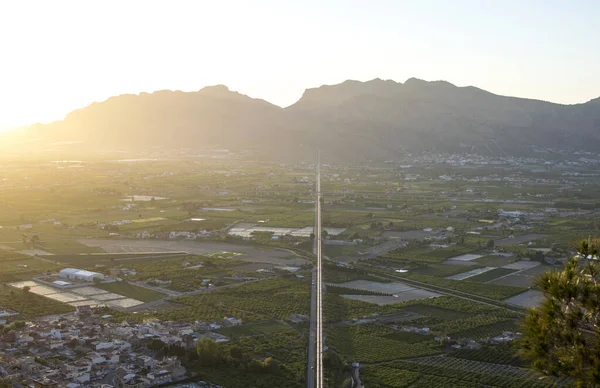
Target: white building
[(514, 214), (80, 274)]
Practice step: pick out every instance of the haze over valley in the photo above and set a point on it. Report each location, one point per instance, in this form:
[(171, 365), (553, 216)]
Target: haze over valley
[(299, 194)]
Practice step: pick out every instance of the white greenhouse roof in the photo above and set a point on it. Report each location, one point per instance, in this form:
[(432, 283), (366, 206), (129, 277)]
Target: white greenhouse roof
[(79, 272)]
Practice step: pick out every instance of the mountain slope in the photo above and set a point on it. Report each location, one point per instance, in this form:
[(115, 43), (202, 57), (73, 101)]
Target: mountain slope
[(433, 115), (352, 120), (211, 116)]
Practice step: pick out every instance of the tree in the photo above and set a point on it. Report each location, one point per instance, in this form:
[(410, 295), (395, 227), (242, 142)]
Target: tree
[(444, 341), (538, 256), (208, 352), (236, 353), (25, 241), (347, 383), (35, 240), (255, 366), (490, 244), (26, 288), (271, 365), (562, 335), (156, 345), (72, 343)]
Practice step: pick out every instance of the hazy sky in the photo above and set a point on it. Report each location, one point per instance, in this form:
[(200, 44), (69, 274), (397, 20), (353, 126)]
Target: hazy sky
[(56, 56)]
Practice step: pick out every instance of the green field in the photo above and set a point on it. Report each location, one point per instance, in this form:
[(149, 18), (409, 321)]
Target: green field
[(132, 291), (438, 312), (185, 273), (491, 275), (30, 305), (286, 347), (15, 266), (275, 298), (90, 260), (369, 344), (494, 261)]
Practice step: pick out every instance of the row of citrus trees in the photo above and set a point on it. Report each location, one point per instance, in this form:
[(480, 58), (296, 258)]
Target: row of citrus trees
[(271, 298), (476, 376)]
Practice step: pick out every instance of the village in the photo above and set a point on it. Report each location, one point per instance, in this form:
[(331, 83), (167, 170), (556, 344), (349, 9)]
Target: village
[(86, 348)]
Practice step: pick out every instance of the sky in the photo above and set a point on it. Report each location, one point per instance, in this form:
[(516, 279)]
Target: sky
[(60, 55)]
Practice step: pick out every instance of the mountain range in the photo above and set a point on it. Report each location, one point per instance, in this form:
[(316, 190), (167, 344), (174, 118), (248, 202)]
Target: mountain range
[(378, 119)]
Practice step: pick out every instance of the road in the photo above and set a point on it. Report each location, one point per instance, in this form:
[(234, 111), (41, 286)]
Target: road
[(448, 291), (314, 375), (356, 375), (310, 373), (319, 285)]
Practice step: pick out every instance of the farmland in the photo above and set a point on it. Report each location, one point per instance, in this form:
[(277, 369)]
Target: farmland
[(257, 329), (270, 299), (491, 275), (411, 257), (369, 345), (30, 305)]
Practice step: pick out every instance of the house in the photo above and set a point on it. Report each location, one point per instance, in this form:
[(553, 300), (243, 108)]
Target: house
[(145, 362), (104, 345), (161, 377), (113, 358), (233, 321), (131, 381), (84, 310), (45, 383), (81, 377), (28, 364), (115, 344), (96, 358), (173, 365), (78, 367), (472, 345)]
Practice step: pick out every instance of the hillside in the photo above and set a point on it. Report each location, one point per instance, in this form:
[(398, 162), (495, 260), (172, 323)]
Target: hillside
[(351, 120)]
